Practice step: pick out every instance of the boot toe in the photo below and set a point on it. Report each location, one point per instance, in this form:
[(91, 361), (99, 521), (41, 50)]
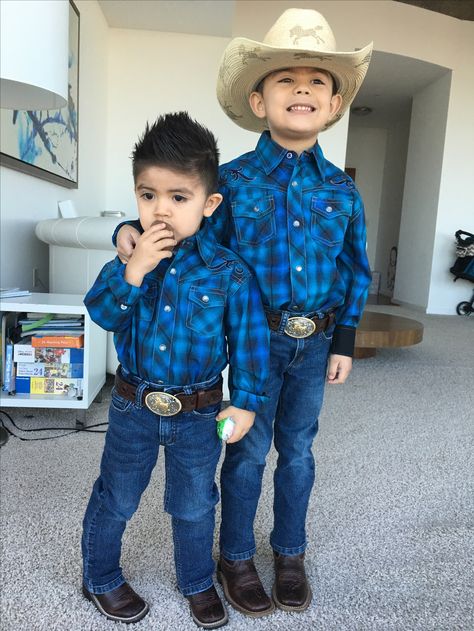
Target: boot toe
[(207, 609)]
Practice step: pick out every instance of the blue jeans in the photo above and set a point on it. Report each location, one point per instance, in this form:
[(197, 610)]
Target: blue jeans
[(192, 449), (296, 388)]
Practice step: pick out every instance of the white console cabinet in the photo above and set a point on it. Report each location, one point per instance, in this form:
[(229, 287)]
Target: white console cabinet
[(94, 351)]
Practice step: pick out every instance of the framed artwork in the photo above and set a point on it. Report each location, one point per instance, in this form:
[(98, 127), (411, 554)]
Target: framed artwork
[(44, 143)]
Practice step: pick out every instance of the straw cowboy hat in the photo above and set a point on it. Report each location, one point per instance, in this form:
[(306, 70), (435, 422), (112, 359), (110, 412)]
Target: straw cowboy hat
[(300, 37)]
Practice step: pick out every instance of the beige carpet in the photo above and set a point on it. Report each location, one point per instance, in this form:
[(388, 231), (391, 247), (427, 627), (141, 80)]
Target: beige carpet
[(390, 524)]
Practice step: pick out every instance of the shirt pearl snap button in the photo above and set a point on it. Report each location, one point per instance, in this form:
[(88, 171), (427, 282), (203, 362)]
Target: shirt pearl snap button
[(162, 347), (173, 271), (294, 183), (205, 298), (123, 307), (167, 308), (256, 209), (329, 209), (298, 268), (296, 223), (289, 155)]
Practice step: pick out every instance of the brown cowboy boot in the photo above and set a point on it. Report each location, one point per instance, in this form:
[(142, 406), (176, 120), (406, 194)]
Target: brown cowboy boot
[(243, 588), (207, 609), (291, 591), (121, 604)]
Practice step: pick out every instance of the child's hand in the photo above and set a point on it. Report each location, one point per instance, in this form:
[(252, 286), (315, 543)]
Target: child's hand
[(127, 238), (154, 245), (339, 367), (243, 420)]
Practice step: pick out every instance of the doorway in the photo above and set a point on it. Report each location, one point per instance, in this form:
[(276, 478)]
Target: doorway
[(395, 143)]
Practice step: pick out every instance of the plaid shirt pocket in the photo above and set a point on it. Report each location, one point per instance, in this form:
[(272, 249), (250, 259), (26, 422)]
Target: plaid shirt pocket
[(205, 310), (329, 219), (254, 216)]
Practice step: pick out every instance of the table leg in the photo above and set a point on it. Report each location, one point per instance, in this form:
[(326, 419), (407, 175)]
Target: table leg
[(364, 353)]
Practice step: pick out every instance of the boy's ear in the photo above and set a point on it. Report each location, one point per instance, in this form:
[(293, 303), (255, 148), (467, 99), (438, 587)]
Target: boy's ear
[(212, 203), (257, 104), (335, 106)]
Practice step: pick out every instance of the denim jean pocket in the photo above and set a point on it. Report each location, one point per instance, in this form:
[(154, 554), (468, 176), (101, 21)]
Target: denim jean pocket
[(329, 332), (118, 402), (207, 413)]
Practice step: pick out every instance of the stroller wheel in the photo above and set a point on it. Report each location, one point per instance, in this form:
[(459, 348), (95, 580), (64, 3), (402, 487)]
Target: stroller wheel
[(464, 308)]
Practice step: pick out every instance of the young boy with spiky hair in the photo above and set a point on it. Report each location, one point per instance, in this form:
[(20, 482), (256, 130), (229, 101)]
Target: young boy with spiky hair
[(181, 309), (298, 221)]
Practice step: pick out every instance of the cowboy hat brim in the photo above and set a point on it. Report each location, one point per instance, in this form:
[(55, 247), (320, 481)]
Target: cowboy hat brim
[(246, 62)]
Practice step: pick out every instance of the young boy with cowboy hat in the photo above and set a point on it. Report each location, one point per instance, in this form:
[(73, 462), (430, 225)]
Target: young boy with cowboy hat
[(298, 221)]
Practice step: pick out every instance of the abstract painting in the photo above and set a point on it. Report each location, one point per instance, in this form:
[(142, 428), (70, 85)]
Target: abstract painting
[(44, 143)]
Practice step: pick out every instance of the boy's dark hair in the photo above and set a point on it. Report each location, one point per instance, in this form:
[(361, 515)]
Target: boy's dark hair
[(259, 87), (179, 143)]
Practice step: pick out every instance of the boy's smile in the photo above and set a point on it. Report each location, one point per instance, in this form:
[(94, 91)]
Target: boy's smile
[(297, 104), (178, 199)]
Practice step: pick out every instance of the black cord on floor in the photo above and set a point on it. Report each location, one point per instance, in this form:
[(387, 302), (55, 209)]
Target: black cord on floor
[(88, 429)]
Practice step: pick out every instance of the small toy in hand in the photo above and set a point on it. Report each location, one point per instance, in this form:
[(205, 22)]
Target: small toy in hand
[(225, 428)]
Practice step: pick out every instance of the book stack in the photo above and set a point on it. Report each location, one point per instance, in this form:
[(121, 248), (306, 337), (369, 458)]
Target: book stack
[(13, 292), (44, 354)]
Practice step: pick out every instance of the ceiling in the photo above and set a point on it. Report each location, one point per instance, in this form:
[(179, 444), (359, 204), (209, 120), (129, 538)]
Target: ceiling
[(390, 99), (199, 17), (215, 17), (461, 9)]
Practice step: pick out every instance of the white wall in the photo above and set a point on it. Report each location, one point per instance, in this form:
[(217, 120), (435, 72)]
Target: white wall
[(456, 206), (420, 198), (366, 152), (151, 73), (25, 199)]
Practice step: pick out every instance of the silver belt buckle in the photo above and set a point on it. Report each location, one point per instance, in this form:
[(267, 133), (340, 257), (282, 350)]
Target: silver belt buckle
[(163, 403), (299, 327)]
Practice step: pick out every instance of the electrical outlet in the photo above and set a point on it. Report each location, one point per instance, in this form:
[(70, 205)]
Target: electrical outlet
[(36, 278)]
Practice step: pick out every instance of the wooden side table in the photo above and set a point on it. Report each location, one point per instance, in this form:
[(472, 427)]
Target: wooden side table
[(383, 330)]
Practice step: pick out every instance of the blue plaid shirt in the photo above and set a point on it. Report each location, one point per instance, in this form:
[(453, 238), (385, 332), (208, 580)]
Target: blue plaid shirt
[(298, 222), (187, 318)]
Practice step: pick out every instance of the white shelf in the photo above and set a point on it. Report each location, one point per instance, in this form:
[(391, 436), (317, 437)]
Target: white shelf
[(94, 351)]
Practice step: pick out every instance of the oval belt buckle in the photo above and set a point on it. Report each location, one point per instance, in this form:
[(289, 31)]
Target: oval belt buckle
[(299, 327), (163, 403)]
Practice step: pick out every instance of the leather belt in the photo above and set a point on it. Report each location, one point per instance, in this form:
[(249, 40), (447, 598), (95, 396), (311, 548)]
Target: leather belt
[(300, 326), (166, 404)]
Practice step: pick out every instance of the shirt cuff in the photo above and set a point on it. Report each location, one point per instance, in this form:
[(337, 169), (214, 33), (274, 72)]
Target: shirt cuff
[(343, 341), (248, 401), (126, 294), (135, 223)]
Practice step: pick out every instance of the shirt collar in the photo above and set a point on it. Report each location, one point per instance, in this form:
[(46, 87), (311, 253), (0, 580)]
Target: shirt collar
[(271, 154), (318, 156), (205, 242)]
